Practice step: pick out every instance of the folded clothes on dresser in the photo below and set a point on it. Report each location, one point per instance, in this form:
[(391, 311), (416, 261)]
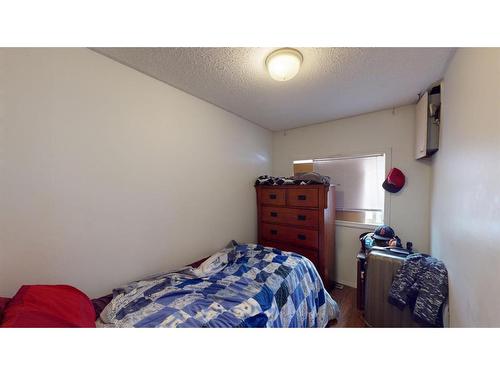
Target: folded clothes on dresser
[(303, 179)]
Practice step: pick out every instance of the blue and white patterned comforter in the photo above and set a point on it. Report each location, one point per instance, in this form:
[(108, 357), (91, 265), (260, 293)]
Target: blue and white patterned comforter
[(244, 286)]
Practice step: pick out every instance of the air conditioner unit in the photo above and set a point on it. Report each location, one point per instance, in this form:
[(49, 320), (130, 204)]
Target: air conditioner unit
[(427, 122)]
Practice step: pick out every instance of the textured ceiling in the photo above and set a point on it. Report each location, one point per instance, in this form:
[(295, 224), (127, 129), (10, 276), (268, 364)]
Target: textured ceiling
[(332, 83)]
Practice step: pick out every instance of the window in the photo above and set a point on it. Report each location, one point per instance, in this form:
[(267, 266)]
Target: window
[(358, 184), (302, 166)]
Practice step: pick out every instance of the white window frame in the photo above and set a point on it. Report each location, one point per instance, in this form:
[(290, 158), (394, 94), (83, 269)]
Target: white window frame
[(387, 196)]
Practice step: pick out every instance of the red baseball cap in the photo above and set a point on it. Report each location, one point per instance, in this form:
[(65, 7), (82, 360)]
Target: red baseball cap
[(395, 181)]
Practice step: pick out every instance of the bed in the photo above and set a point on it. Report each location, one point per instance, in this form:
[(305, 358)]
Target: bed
[(245, 285)]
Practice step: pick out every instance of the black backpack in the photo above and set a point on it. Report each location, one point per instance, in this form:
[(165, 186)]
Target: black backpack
[(363, 237)]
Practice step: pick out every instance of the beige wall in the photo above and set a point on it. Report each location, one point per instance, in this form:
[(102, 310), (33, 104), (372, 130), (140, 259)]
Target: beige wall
[(108, 175), (466, 187), (384, 131)]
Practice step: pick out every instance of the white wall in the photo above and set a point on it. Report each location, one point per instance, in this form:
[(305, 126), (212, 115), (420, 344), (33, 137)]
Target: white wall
[(466, 187), (373, 132), (108, 175)]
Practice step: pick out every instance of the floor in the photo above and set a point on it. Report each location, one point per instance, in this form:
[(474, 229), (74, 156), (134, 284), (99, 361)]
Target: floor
[(350, 316)]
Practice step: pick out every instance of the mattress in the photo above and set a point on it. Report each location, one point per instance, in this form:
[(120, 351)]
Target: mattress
[(101, 302), (244, 286)]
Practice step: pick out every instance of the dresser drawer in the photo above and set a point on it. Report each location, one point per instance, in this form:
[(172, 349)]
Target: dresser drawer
[(293, 216), (303, 197), (303, 237), (312, 255), (273, 196), (295, 236)]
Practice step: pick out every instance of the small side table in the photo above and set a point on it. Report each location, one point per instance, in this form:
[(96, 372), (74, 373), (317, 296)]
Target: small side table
[(360, 284)]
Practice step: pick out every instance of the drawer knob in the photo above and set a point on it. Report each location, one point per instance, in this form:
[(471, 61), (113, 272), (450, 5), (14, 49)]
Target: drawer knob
[(272, 196), (274, 231), (301, 236), (274, 214), (301, 197), (301, 217)]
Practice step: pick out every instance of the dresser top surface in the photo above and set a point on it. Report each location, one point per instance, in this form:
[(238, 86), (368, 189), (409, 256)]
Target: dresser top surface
[(312, 186)]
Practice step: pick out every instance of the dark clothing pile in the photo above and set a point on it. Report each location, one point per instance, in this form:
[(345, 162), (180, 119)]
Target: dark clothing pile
[(422, 284), (303, 179)]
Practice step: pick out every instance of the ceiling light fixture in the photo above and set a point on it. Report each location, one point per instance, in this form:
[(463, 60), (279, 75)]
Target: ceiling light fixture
[(284, 64)]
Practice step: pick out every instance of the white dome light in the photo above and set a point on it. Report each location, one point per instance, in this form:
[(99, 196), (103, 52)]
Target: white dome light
[(284, 64)]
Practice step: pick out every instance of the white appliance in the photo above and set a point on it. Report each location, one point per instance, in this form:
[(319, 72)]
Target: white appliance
[(427, 122)]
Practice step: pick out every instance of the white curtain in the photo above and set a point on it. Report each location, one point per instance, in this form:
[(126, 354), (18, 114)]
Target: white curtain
[(358, 181)]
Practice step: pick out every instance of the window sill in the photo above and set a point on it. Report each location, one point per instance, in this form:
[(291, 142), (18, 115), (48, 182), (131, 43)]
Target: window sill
[(352, 224)]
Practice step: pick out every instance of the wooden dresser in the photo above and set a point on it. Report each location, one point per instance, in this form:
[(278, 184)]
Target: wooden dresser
[(300, 219)]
